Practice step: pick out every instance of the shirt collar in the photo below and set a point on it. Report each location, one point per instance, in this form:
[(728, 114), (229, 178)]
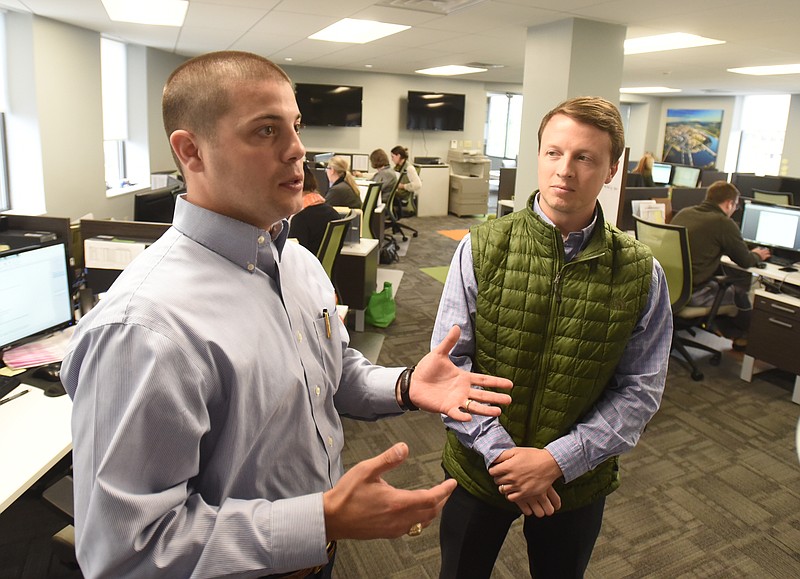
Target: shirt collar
[(243, 244), (576, 240)]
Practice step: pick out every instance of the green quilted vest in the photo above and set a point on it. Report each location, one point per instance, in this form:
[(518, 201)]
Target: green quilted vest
[(557, 330)]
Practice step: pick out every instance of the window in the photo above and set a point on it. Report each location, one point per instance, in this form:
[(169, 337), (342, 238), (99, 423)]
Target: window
[(763, 130), (503, 125), (114, 73)]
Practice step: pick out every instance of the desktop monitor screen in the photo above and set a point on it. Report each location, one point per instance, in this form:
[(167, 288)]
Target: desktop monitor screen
[(35, 293), (684, 176), (661, 173), (156, 205), (771, 225)]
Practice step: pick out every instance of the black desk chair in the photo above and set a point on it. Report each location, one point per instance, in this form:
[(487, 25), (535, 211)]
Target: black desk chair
[(670, 246), (394, 209)]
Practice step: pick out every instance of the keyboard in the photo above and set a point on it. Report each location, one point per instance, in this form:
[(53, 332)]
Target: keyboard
[(780, 261), (7, 384)]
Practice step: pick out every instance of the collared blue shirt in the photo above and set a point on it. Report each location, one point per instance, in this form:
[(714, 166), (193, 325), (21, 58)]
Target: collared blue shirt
[(207, 395), (615, 423)]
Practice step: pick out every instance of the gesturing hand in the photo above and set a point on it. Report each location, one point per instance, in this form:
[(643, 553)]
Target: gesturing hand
[(364, 506), (437, 385)]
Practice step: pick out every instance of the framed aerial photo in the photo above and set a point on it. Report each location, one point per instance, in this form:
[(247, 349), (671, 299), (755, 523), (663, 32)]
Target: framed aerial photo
[(691, 137)]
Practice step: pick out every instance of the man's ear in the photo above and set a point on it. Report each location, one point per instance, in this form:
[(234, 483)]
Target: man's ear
[(187, 149), (612, 172)]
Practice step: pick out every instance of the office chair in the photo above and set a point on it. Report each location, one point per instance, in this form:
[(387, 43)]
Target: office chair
[(59, 496), (670, 246), (776, 197), (332, 243), (371, 197), (394, 209)]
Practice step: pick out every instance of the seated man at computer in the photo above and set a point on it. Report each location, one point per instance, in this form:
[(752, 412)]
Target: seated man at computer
[(712, 234)]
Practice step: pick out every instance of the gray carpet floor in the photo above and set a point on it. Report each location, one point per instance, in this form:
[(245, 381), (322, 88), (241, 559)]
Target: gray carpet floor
[(712, 489)]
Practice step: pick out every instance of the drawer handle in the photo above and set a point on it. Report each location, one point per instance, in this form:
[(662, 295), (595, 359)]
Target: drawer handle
[(780, 323), (783, 308)]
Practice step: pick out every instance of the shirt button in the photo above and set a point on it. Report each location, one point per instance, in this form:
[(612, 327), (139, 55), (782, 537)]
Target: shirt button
[(299, 337), (261, 239), (330, 441), (250, 267), (317, 390)]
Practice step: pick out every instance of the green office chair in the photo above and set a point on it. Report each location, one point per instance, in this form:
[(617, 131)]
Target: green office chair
[(371, 197), (670, 246), (332, 243), (776, 197)]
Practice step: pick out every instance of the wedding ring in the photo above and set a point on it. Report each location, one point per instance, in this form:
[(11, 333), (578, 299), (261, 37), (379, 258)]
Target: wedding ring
[(466, 406), (415, 530), (502, 489)]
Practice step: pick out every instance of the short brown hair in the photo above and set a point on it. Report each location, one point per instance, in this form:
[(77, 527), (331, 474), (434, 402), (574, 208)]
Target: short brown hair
[(378, 159), (197, 93), (597, 112), (721, 191)]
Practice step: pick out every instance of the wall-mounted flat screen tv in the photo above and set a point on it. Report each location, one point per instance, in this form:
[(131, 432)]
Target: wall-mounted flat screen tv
[(435, 111), (329, 105)]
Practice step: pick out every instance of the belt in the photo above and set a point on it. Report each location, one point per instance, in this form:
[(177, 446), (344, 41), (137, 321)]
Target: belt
[(330, 548)]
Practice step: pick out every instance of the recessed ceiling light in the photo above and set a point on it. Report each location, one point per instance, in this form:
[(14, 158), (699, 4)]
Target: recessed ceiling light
[(648, 89), (152, 12), (288, 59), (357, 31), (450, 70), (768, 70), (367, 66), (671, 41)]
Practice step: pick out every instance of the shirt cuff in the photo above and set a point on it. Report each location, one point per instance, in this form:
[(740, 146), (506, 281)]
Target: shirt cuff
[(569, 456), (493, 442), (297, 533)]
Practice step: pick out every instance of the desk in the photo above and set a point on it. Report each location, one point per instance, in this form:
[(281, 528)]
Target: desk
[(357, 275), (34, 435), (774, 328)]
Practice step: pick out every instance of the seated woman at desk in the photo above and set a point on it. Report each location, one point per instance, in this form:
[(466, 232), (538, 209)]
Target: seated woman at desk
[(343, 191), (308, 225), (384, 174), (409, 181), (645, 171)]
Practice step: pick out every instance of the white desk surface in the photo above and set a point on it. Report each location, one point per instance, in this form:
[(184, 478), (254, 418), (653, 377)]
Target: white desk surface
[(361, 248), (34, 435)]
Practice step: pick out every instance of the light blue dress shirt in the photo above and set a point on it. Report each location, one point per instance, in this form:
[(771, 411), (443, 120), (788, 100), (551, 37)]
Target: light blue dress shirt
[(207, 396), (614, 424)]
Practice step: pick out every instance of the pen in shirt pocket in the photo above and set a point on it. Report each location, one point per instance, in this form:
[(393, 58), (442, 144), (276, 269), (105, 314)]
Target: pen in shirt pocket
[(327, 322)]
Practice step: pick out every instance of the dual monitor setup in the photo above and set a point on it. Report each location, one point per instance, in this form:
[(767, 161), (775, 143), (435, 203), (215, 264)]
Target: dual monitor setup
[(675, 175)]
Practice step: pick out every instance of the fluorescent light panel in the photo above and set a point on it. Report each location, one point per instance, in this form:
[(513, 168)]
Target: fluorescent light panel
[(768, 70), (662, 42), (450, 70), (355, 31), (648, 90), (151, 12)]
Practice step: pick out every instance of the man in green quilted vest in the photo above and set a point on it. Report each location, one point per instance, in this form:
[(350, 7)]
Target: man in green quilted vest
[(577, 314)]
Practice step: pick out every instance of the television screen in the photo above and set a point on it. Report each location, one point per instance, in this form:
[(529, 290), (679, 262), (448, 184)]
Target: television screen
[(684, 176), (661, 173), (435, 111), (329, 105)]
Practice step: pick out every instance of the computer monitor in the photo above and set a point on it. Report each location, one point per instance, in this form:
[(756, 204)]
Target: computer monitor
[(683, 176), (773, 226), (155, 205), (662, 173), (35, 293)]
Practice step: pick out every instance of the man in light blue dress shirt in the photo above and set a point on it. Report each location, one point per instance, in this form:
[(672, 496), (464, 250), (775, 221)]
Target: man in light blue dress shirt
[(580, 142), (208, 383)]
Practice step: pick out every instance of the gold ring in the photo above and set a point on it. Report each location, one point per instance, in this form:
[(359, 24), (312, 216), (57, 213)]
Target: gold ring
[(502, 489), (466, 406), (415, 530)]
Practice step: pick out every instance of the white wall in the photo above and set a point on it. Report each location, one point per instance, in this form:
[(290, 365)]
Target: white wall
[(384, 118), (790, 162)]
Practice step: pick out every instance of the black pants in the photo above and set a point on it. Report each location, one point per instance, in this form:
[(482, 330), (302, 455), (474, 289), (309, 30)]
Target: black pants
[(471, 533)]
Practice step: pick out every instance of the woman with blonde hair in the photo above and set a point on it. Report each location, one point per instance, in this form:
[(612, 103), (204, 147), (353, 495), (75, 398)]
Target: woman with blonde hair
[(645, 169), (343, 190)]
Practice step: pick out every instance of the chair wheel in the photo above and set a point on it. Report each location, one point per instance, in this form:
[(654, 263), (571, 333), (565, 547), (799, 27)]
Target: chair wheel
[(715, 359), (415, 233), (405, 238), (697, 376)]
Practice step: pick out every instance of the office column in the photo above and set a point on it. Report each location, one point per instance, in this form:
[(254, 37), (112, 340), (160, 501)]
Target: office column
[(564, 59)]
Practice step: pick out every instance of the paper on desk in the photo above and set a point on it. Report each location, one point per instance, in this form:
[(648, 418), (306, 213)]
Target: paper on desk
[(46, 351)]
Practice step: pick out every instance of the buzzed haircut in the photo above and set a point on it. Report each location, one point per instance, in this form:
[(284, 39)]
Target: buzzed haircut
[(721, 191), (597, 112), (197, 93)]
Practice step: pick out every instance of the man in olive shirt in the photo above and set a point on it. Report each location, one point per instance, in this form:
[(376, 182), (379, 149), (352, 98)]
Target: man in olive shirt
[(712, 234)]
